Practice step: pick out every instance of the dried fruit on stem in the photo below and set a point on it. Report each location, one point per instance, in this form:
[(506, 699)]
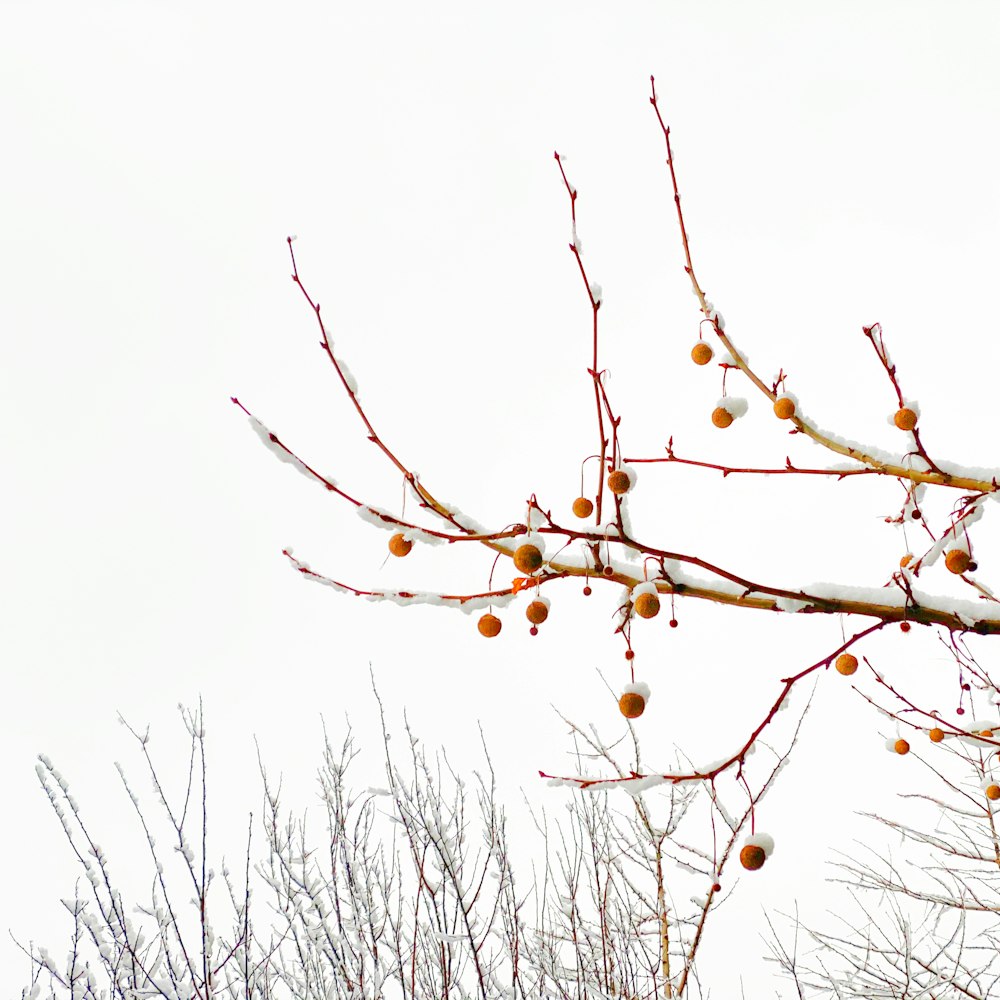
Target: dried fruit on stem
[(400, 546), (631, 705), (619, 482), (537, 611), (784, 408), (721, 417), (702, 353), (646, 605), (528, 558), (846, 664), (957, 561), (490, 625)]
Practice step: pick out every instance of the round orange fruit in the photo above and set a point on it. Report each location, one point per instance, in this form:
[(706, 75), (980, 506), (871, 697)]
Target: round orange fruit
[(702, 353), (583, 507), (721, 417), (905, 418), (528, 558), (784, 408), (631, 705), (400, 546), (846, 664), (752, 857), (490, 625), (647, 605), (901, 746), (619, 482), (957, 561), (536, 612)]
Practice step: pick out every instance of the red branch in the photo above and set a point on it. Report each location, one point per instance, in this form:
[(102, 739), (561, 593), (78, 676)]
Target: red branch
[(728, 470), (327, 347), (874, 335), (738, 757), (594, 372)]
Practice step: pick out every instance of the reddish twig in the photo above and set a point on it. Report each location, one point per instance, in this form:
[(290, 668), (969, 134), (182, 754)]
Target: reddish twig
[(593, 371), (728, 470), (433, 504), (874, 335), (737, 758)]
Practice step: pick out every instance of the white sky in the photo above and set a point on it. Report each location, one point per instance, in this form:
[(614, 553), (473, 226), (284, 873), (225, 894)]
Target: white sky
[(838, 166)]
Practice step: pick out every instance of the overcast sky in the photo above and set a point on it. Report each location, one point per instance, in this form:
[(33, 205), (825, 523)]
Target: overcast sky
[(839, 167)]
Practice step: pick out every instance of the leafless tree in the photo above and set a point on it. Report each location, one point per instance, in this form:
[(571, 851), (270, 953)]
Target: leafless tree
[(409, 890)]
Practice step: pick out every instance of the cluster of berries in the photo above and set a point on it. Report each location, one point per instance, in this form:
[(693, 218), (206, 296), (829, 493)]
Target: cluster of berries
[(847, 664), (723, 415)]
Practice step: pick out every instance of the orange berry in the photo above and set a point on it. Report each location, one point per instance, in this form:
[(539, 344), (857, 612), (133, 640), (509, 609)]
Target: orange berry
[(721, 417), (399, 546), (846, 664), (752, 857), (901, 747), (490, 625), (631, 705), (537, 612), (905, 419), (784, 408), (702, 353), (646, 605), (528, 558), (583, 507), (936, 735), (957, 561), (993, 792), (619, 482), (987, 734), (906, 560)]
